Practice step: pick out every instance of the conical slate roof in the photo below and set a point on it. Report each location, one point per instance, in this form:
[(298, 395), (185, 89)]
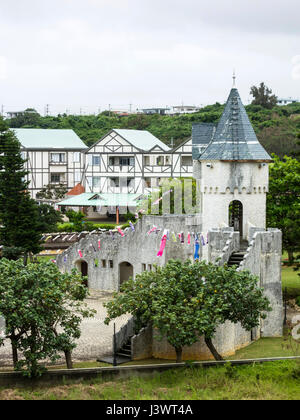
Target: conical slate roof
[(235, 138)]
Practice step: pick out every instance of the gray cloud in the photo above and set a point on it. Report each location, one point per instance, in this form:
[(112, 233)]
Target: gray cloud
[(72, 54)]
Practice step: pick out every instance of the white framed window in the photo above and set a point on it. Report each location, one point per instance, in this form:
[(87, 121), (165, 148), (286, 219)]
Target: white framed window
[(58, 157), (56, 178), (160, 160), (94, 160)]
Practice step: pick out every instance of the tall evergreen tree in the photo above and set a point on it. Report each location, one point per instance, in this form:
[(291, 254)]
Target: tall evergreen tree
[(19, 217)]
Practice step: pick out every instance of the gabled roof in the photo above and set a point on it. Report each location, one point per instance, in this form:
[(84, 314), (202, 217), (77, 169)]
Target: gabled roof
[(48, 139), (235, 138), (142, 140), (202, 135)]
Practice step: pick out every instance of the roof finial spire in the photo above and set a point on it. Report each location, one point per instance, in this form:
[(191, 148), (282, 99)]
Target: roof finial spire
[(234, 78)]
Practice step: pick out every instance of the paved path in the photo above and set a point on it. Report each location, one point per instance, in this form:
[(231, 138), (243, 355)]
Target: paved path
[(96, 338)]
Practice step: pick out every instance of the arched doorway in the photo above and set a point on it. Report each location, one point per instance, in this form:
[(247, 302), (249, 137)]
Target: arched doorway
[(236, 216), (125, 272), (83, 267)]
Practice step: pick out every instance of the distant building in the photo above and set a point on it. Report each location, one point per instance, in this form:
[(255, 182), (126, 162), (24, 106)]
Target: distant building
[(286, 101), (15, 114), (185, 109), (152, 111)]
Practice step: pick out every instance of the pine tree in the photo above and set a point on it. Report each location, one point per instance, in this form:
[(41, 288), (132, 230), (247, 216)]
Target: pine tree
[(19, 232)]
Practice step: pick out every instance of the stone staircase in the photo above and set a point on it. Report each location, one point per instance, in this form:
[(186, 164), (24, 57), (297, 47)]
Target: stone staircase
[(237, 257), (125, 351)]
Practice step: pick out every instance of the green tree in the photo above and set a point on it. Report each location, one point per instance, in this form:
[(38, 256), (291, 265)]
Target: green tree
[(283, 205), (48, 218), (43, 310), (52, 192), (19, 233), (263, 96), (78, 219), (184, 301), (29, 118)]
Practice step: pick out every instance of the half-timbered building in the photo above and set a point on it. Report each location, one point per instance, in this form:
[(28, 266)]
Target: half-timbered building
[(132, 161), (53, 157)]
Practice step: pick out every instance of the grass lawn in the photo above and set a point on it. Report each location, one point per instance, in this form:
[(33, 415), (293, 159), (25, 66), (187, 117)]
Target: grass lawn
[(291, 281), (269, 381), (266, 347)]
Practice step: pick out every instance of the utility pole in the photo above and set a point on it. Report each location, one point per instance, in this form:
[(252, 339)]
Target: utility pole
[(2, 110), (130, 108), (109, 109), (47, 110)]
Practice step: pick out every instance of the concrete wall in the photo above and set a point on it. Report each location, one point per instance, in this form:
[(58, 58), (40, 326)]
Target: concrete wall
[(141, 344)]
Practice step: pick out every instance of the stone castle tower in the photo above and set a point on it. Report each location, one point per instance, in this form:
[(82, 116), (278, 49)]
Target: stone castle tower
[(233, 169)]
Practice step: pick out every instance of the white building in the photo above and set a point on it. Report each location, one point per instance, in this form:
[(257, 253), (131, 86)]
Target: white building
[(185, 109), (127, 161), (53, 157), (131, 161), (286, 101)]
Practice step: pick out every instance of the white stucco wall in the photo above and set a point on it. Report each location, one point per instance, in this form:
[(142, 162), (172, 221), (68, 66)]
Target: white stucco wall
[(224, 182)]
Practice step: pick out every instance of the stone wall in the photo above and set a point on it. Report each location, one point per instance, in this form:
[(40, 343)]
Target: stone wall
[(222, 243), (136, 248), (228, 338), (263, 259)]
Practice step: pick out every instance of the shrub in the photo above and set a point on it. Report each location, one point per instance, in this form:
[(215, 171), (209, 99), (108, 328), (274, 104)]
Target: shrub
[(298, 300)]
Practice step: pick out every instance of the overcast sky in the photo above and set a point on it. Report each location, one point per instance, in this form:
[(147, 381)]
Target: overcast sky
[(91, 53)]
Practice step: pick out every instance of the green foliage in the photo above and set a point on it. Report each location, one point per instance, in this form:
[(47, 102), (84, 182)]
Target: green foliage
[(18, 212), (29, 119), (78, 220), (48, 218), (52, 192), (43, 310), (283, 208), (277, 128), (87, 226), (185, 301), (263, 96)]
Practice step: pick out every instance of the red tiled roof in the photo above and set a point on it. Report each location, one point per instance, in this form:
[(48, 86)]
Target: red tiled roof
[(77, 190)]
